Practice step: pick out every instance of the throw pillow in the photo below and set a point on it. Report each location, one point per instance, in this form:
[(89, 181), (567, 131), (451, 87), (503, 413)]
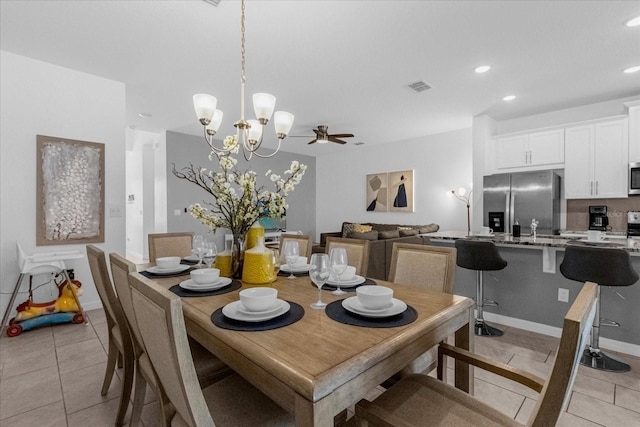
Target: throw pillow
[(351, 227), (431, 228), (406, 233), (369, 235), (391, 234), (359, 228), (405, 228)]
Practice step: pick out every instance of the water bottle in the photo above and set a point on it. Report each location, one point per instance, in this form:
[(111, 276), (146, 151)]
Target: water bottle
[(516, 229)]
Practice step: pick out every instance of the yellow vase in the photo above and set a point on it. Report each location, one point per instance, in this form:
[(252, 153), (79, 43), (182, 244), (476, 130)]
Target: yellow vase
[(258, 265), (255, 232), (223, 260)]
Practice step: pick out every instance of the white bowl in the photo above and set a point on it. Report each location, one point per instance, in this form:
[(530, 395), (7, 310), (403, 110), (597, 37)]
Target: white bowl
[(204, 276), (301, 261), (168, 262), (374, 297), (258, 299), (349, 274)]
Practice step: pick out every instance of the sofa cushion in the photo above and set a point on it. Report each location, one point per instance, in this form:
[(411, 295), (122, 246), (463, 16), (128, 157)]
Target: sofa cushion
[(409, 232), (369, 235), (352, 227), (390, 234), (431, 228)]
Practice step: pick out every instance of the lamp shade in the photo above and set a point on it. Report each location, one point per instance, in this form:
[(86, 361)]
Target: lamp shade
[(205, 106), (263, 105), (255, 131), (283, 122), (216, 120)]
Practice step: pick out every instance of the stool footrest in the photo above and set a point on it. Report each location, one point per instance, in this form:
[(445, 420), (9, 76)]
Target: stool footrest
[(607, 322), (596, 359), (482, 329), (490, 302)]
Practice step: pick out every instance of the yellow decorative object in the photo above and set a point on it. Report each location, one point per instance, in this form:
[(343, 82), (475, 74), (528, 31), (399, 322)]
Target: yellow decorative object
[(223, 260), (65, 302), (256, 231), (258, 265)]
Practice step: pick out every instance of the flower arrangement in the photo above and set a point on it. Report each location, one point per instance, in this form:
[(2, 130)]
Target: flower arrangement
[(237, 201)]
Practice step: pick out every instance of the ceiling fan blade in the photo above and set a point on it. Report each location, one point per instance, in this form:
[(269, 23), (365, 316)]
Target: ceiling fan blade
[(342, 135), (339, 141), (312, 142), (317, 132)]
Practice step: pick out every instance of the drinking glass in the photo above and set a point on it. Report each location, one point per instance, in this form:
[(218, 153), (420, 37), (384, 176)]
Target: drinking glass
[(210, 252), (338, 262), (198, 248), (276, 263), (291, 253), (319, 273)]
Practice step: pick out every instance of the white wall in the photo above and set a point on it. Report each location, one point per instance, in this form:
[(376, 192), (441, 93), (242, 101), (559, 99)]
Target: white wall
[(440, 162), (44, 99)]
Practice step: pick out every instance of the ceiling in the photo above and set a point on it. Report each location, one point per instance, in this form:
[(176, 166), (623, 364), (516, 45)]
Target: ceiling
[(346, 64)]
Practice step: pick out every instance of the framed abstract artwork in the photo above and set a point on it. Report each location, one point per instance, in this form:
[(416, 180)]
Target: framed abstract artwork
[(377, 192), (69, 191), (401, 191)]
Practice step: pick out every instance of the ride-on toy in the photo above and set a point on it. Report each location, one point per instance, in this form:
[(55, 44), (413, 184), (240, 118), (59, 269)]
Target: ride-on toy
[(63, 309)]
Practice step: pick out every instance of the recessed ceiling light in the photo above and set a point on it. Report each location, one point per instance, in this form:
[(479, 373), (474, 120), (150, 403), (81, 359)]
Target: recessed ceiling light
[(509, 98), (632, 69), (145, 115), (482, 69), (633, 22)]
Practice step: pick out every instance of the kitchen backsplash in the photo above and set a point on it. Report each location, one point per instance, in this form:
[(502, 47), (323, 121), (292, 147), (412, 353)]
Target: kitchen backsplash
[(578, 212)]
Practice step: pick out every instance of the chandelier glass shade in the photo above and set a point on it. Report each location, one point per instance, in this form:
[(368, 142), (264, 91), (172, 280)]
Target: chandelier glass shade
[(249, 132)]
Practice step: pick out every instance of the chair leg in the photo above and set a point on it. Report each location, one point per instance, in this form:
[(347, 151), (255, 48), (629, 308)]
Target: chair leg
[(596, 359), (126, 389), (112, 359), (480, 327), (138, 398)]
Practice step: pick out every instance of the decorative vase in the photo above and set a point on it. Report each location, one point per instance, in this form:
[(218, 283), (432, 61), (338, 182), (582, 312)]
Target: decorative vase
[(257, 269), (229, 261), (256, 231)]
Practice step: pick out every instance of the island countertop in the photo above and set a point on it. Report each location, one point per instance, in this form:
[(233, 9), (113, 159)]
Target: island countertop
[(542, 241)]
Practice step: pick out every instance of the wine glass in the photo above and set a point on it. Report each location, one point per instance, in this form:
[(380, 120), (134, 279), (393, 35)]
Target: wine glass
[(210, 252), (276, 263), (198, 248), (319, 273), (291, 254), (338, 263)]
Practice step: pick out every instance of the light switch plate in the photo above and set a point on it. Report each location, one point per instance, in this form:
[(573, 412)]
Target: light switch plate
[(563, 295)]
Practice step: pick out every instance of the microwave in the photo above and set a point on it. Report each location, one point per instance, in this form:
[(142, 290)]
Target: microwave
[(634, 179)]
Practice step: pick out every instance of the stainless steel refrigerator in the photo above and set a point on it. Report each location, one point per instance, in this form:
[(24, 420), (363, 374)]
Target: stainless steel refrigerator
[(522, 196)]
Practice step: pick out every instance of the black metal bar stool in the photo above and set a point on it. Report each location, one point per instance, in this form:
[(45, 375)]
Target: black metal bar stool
[(480, 256), (606, 267)]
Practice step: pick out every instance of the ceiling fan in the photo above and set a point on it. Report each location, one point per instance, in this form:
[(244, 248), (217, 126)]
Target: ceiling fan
[(323, 136)]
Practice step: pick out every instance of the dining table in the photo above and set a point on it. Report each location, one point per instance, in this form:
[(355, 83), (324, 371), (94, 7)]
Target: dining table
[(317, 367)]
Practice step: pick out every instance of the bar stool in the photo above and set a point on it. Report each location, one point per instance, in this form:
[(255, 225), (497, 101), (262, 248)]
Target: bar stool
[(480, 256), (606, 267)]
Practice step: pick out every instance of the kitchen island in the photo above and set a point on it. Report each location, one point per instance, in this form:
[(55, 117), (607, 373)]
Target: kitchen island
[(528, 289)]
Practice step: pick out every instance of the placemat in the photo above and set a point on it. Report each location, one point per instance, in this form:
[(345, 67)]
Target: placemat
[(145, 273), (176, 289), (328, 287), (337, 312), (297, 274), (295, 313)]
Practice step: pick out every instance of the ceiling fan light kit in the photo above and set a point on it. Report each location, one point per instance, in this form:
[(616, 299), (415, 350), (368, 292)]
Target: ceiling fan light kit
[(323, 136), (250, 132)]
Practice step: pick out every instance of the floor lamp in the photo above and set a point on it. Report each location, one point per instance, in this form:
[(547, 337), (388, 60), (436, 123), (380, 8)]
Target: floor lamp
[(461, 194)]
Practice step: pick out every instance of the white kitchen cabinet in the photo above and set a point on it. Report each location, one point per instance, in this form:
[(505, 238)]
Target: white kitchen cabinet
[(596, 160), (537, 150), (634, 132)]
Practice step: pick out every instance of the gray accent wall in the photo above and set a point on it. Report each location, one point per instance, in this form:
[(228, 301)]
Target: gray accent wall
[(183, 150)]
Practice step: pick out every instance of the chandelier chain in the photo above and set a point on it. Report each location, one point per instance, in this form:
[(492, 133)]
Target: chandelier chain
[(242, 50)]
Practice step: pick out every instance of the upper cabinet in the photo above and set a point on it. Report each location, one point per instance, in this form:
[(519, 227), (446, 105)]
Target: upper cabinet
[(634, 131), (596, 160), (537, 150)]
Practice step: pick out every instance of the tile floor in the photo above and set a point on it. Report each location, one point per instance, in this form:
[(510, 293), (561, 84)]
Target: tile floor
[(52, 377)]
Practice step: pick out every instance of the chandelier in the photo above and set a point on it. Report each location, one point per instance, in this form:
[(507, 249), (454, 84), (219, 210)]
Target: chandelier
[(249, 132)]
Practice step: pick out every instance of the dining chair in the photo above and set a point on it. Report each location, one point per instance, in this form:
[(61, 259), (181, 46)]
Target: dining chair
[(231, 401), (208, 367), (169, 244), (427, 267), (120, 344), (420, 400), (304, 243), (357, 252)]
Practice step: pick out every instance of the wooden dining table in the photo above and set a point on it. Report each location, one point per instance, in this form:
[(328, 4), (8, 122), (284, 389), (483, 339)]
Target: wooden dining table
[(317, 367)]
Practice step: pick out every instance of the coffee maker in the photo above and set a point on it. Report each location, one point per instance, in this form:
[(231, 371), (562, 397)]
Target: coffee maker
[(633, 223), (598, 219)]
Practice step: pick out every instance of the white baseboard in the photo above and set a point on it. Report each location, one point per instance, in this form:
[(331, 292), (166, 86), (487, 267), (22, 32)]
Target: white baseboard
[(92, 305), (605, 343)]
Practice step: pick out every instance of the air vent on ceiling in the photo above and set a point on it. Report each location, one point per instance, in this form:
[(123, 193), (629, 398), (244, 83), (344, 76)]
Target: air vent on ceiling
[(358, 143), (212, 2), (419, 86)]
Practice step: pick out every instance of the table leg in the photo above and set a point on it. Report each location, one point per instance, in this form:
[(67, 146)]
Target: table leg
[(464, 372), (11, 302)]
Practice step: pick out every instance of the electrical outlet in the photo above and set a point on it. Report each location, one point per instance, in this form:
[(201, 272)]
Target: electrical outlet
[(563, 295)]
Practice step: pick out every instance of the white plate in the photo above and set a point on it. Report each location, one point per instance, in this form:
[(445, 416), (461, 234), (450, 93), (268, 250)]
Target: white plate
[(272, 309), (231, 311), (163, 271), (296, 268), (353, 305), (191, 286), (596, 242), (484, 235), (356, 280)]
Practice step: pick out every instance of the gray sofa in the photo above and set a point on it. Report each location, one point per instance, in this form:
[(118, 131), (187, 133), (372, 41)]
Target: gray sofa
[(381, 239)]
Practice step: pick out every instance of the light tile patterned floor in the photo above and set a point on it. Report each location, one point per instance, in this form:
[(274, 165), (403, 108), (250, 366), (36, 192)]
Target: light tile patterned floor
[(52, 377)]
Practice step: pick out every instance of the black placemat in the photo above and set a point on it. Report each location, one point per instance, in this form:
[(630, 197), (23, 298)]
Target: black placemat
[(149, 275), (296, 273), (337, 312), (328, 287), (236, 284), (295, 313)]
